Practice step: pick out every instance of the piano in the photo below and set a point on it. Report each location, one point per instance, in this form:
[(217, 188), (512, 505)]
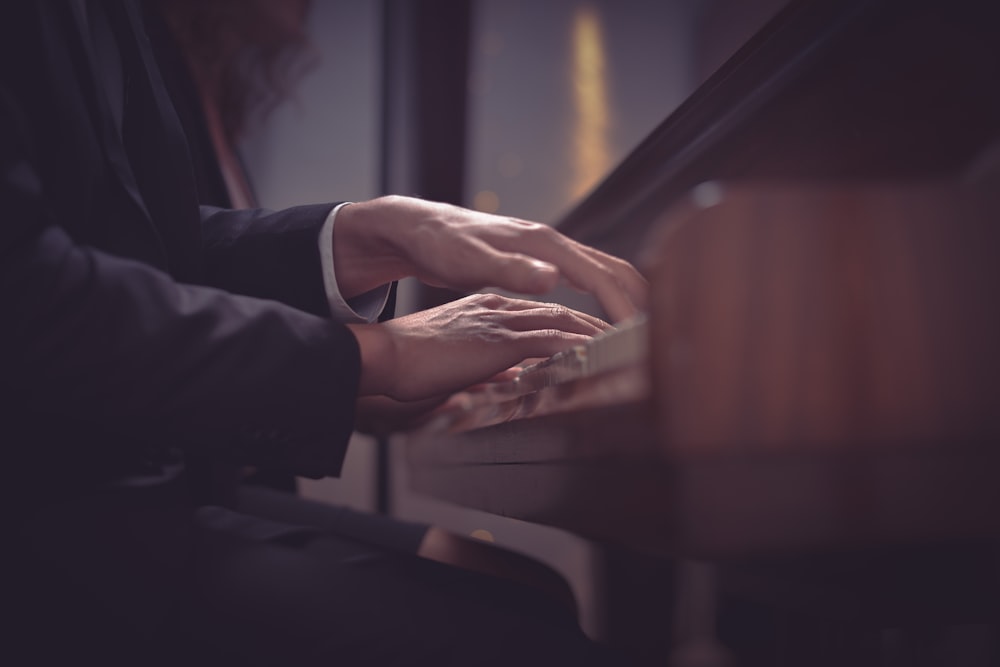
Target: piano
[(816, 359), (818, 371)]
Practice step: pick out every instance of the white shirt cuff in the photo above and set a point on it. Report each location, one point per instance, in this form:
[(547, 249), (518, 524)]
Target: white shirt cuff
[(361, 309)]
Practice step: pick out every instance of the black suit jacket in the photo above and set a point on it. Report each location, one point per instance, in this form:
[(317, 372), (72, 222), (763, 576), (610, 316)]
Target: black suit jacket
[(137, 324)]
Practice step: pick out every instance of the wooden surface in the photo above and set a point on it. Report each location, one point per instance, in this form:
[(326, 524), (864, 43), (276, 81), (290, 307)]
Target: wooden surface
[(823, 375), (828, 317)]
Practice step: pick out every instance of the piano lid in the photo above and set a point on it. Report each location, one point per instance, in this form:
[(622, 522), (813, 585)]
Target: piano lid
[(828, 90)]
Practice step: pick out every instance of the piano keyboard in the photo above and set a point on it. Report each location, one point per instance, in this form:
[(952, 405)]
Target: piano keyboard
[(608, 368), (622, 346)]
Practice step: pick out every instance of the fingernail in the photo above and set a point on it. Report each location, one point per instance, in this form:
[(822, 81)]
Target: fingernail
[(544, 277), (543, 267)]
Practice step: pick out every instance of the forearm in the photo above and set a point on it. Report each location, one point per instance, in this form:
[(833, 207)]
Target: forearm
[(115, 342)]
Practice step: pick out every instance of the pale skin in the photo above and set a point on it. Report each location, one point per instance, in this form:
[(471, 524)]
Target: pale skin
[(411, 363), (472, 339)]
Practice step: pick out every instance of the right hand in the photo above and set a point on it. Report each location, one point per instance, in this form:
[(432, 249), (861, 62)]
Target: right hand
[(438, 351), (390, 238)]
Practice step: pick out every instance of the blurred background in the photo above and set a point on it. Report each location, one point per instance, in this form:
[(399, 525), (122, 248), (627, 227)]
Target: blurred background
[(512, 106)]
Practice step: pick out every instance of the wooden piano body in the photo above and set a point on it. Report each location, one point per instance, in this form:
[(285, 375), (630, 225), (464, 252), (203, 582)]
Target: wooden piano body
[(820, 225), (816, 410), (822, 371)]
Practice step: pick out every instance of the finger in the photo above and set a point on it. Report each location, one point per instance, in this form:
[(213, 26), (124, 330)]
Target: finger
[(618, 288), (555, 317), (502, 376), (634, 283), (476, 264), (617, 285), (552, 309), (547, 342)]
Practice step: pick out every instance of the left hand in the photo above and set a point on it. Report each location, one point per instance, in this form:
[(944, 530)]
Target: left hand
[(389, 238), (441, 350)]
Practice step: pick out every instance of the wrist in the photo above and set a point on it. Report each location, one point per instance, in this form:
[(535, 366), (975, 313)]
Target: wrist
[(365, 246), (378, 359)]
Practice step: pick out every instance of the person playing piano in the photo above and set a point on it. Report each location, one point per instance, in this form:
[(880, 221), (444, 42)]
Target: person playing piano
[(139, 327)]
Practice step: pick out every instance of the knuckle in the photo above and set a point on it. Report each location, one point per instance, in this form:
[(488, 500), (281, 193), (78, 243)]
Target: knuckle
[(549, 334), (546, 232), (489, 300), (524, 224), (533, 229), (559, 312)]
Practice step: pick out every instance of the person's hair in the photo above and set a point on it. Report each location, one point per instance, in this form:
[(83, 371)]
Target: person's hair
[(246, 56)]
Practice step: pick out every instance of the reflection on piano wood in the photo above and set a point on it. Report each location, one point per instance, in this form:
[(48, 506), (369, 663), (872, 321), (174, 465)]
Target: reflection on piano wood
[(822, 369)]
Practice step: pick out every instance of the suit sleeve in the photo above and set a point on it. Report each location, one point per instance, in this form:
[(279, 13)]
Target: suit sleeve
[(274, 255), (90, 336), (267, 254)]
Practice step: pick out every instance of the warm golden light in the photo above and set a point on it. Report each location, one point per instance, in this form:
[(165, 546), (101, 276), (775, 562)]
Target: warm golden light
[(591, 156), (482, 534), (486, 201)]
